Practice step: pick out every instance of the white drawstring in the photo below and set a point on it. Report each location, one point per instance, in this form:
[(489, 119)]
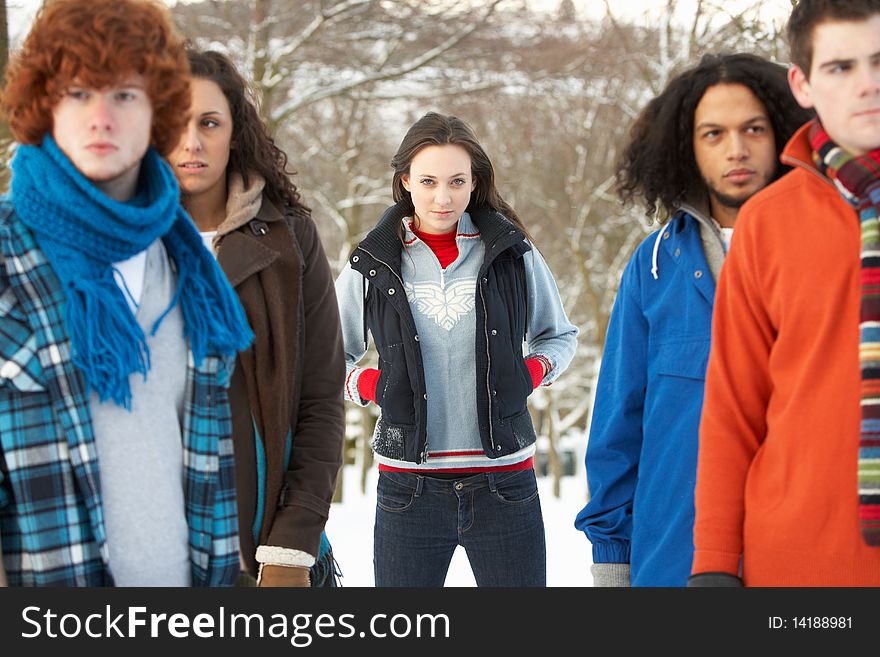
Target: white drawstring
[(654, 269)]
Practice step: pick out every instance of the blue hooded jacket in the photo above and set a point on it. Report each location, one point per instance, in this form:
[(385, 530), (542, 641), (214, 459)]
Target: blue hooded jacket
[(642, 452)]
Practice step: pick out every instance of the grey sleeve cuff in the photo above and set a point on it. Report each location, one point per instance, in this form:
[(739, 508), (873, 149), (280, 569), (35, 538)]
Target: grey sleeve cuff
[(721, 580), (351, 393), (610, 574)]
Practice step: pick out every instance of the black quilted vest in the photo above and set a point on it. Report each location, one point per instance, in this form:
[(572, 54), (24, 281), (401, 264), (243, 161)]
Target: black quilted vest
[(502, 384)]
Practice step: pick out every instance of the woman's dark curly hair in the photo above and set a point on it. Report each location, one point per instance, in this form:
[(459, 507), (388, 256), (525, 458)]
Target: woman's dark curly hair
[(254, 151), (659, 163)]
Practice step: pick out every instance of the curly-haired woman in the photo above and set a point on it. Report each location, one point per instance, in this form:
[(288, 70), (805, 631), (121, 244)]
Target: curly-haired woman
[(287, 409)]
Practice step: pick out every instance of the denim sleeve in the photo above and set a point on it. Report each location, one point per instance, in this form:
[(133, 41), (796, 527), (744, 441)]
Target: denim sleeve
[(549, 333), (350, 288), (615, 440)]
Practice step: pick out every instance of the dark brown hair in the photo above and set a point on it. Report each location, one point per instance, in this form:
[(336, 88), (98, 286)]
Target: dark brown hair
[(807, 14), (254, 151), (97, 43), (658, 163), (435, 129)]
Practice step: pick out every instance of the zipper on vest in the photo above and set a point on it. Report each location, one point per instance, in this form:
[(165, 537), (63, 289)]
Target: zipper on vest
[(490, 248), (488, 359), (424, 455)]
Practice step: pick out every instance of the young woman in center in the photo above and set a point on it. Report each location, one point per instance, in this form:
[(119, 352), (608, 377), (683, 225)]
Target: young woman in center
[(287, 413), (449, 286)]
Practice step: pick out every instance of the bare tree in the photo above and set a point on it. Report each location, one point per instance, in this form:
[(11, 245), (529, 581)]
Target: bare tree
[(551, 96)]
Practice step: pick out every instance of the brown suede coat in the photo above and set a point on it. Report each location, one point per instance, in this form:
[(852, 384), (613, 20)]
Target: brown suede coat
[(289, 381)]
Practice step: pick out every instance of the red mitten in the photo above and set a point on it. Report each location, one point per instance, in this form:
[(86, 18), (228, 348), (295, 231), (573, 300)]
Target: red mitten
[(535, 367), (367, 384)]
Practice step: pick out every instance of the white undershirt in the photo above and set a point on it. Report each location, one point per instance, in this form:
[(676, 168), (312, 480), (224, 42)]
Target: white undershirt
[(130, 273), (726, 236), (208, 239)]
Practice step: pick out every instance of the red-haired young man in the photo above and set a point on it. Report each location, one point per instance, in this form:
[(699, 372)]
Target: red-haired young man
[(117, 327)]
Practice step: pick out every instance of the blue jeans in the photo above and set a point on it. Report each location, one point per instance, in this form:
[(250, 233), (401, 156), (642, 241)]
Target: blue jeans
[(495, 517)]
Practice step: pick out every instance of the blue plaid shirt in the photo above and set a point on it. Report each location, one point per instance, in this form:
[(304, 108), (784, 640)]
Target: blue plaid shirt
[(51, 516)]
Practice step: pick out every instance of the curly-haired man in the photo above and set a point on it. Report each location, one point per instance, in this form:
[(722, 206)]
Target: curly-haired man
[(697, 152)]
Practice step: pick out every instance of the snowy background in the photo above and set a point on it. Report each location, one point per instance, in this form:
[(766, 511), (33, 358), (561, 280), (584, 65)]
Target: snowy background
[(339, 88), (350, 530)]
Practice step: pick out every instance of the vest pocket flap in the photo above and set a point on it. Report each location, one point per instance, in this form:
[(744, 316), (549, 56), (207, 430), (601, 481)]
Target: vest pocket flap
[(684, 359), (19, 364)]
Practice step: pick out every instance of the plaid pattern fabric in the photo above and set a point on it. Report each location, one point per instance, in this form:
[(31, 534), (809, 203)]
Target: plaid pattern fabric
[(51, 516), (858, 180)]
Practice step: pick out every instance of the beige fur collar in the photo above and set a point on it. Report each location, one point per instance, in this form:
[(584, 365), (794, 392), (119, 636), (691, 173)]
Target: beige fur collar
[(242, 204)]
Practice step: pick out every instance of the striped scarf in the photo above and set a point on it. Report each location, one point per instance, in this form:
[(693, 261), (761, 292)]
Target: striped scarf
[(858, 180)]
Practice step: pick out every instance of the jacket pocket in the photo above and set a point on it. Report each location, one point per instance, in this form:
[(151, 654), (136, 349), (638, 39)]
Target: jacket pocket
[(394, 393), (389, 368), (683, 359), (511, 388)]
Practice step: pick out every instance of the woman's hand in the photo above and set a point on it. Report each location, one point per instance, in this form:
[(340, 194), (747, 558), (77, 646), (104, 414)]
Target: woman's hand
[(537, 371), (367, 383)]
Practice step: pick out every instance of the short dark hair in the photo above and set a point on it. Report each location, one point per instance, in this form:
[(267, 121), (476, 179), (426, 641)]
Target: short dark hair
[(807, 14), (255, 151), (659, 162)]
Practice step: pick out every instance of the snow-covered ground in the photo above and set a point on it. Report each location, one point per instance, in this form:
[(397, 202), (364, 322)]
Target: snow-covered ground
[(350, 530)]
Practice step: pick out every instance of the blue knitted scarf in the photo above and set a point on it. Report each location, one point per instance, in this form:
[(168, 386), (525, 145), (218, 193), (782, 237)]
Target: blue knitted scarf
[(82, 232)]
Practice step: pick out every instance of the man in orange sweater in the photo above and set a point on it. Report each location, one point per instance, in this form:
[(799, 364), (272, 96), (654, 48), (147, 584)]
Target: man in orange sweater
[(788, 479)]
